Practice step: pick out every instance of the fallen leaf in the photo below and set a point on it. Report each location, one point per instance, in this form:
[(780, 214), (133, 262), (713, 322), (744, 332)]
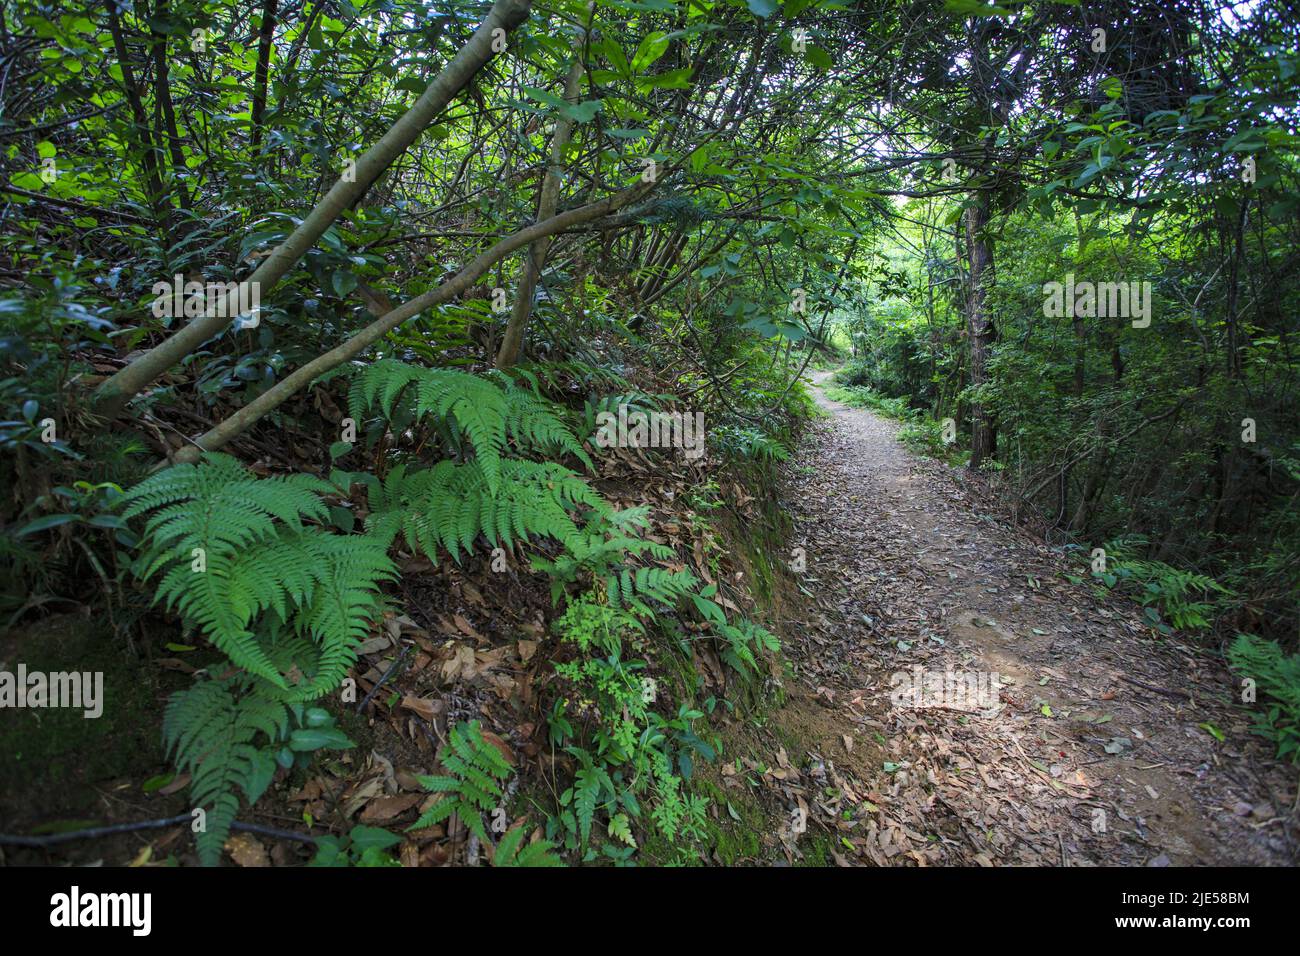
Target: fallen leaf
[(246, 850), (383, 809), (426, 707)]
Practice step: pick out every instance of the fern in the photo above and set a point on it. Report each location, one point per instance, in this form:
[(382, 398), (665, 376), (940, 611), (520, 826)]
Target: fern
[(751, 444), (343, 605), (207, 524), (476, 770), (212, 732), (466, 406), (669, 809), (284, 600), (532, 423), (232, 547), (561, 377), (592, 788), (1189, 600), (1277, 676), (509, 853), (744, 643), (603, 549), (666, 587), (449, 505)]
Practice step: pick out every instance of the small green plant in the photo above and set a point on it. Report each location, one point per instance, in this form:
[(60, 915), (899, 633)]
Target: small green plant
[(229, 736), (363, 846), (742, 643), (602, 552), (629, 750), (475, 772), (1188, 601), (749, 444), (512, 851), (1277, 678)]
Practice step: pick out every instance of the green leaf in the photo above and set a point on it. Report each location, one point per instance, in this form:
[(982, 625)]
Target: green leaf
[(550, 99), (975, 8), (819, 58), (343, 518), (365, 838), (158, 782), (329, 738), (45, 523), (670, 80), (343, 282), (620, 827), (651, 49), (106, 521), (583, 112)]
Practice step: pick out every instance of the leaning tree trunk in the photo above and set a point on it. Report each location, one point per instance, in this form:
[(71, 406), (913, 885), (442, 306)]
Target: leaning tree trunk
[(112, 395), (280, 392)]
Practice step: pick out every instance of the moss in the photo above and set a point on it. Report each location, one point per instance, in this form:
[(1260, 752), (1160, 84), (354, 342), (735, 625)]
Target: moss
[(53, 758), (755, 541), (816, 850), (735, 840)]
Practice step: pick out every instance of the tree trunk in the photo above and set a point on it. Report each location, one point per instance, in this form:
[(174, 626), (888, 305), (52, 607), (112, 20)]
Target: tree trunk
[(148, 156), (113, 394), (263, 69), (163, 96), (512, 342), (273, 397), (979, 327)]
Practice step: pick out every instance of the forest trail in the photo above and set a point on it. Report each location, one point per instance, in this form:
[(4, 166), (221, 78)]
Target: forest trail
[(1096, 754)]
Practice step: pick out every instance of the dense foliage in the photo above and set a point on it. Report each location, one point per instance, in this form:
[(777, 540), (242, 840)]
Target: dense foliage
[(294, 288)]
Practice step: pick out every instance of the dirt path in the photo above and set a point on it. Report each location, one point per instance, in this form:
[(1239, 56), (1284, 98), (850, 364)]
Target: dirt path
[(1091, 753)]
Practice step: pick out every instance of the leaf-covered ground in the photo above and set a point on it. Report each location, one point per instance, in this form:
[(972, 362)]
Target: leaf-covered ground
[(1100, 752)]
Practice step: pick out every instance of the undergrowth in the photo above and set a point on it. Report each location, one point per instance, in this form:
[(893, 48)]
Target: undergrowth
[(283, 581)]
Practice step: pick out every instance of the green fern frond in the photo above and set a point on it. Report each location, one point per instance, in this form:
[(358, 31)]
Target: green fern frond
[(509, 853), (473, 405), (344, 602), (212, 732), (533, 424), (233, 547), (477, 407), (448, 506), (476, 770)]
